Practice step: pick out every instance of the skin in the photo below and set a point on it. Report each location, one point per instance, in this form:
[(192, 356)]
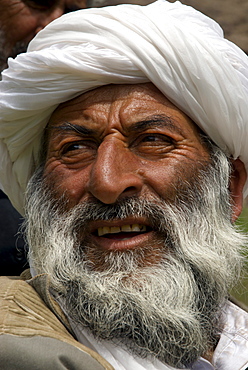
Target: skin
[(136, 143), (119, 141), (21, 20)]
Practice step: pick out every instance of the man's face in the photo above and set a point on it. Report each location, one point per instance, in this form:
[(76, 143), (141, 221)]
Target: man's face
[(130, 217), (118, 142), (20, 20)]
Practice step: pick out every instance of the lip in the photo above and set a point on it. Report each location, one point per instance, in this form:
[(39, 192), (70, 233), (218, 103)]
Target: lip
[(121, 244), (113, 243)]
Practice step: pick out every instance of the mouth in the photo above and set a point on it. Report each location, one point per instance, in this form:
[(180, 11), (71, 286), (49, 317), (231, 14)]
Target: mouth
[(120, 235), (124, 231)]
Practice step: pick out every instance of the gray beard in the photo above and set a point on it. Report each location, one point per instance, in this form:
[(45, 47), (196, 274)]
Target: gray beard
[(169, 308)]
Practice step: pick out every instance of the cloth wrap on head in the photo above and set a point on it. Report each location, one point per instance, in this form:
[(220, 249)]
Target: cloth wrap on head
[(180, 50)]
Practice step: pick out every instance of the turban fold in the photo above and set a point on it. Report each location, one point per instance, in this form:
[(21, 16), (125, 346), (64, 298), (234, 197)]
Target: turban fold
[(177, 48)]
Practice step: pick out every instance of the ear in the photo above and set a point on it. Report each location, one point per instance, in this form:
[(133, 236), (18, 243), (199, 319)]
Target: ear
[(237, 182)]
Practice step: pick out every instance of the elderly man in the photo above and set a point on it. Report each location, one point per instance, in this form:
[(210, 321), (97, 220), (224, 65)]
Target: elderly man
[(123, 139)]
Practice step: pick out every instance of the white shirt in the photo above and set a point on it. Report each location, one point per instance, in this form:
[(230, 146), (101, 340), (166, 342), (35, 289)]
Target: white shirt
[(232, 350), (230, 354)]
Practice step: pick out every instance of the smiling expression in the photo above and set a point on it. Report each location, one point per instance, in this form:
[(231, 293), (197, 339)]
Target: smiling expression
[(116, 142)]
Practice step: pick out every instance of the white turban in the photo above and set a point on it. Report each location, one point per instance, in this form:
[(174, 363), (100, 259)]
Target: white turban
[(177, 48)]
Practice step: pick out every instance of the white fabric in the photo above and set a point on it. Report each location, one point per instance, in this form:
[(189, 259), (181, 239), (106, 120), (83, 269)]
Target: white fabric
[(179, 49), (120, 359), (231, 352)]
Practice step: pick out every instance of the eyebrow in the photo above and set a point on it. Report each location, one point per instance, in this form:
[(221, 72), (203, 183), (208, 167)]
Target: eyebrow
[(72, 127), (158, 120)]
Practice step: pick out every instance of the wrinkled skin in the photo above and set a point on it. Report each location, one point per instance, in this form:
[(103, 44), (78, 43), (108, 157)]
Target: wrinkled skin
[(121, 141), (129, 140)]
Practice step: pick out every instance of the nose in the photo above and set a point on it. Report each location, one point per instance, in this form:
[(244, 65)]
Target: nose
[(47, 17), (114, 174)]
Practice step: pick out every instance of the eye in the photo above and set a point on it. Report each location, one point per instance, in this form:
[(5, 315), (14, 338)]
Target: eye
[(41, 4), (156, 139), (153, 146), (73, 7), (78, 148), (72, 147)]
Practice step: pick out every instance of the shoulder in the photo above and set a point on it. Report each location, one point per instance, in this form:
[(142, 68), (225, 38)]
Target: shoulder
[(31, 336)]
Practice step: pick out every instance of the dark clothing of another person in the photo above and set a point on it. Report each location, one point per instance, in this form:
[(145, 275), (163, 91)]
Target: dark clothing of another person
[(12, 251)]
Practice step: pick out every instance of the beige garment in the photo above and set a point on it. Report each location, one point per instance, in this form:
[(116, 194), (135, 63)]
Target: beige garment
[(36, 335)]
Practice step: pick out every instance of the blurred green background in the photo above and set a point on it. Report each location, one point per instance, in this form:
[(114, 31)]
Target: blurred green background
[(240, 291)]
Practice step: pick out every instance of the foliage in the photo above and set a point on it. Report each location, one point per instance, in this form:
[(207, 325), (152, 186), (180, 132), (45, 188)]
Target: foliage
[(241, 290)]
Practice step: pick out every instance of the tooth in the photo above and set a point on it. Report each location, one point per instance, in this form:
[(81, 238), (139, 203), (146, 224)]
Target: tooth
[(100, 231), (135, 227), (126, 228), (105, 230), (115, 229)]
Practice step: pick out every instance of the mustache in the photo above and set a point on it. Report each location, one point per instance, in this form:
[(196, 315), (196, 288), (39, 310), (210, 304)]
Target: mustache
[(153, 211)]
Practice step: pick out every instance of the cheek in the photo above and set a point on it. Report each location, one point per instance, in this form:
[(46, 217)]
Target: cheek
[(62, 181), (25, 29), (22, 25), (161, 180), (166, 180)]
